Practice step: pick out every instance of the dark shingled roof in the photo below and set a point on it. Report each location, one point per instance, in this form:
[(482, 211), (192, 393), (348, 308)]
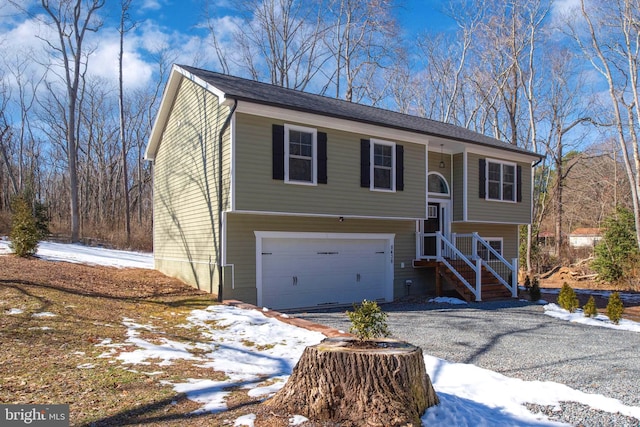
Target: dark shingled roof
[(267, 94)]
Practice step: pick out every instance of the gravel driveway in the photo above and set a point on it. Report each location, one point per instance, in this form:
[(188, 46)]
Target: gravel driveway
[(517, 339)]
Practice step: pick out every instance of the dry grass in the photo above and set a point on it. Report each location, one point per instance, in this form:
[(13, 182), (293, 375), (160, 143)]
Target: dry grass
[(40, 356)]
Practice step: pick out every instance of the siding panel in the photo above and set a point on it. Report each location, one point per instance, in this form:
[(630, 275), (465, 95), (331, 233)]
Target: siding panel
[(185, 185), (341, 196), (241, 245), (496, 211)]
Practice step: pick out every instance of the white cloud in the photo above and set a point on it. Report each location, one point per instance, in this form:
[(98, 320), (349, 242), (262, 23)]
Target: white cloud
[(151, 5)]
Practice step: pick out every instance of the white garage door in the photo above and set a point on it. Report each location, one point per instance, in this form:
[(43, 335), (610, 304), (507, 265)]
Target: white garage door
[(314, 271)]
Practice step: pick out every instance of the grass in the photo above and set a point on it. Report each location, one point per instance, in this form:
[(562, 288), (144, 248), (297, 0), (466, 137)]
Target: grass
[(56, 360)]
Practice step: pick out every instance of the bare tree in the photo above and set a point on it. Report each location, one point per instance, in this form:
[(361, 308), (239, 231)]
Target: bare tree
[(610, 39), (72, 20), (125, 26), (564, 113), (361, 37), (282, 39)]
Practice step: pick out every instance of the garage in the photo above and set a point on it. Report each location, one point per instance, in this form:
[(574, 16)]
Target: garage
[(296, 270)]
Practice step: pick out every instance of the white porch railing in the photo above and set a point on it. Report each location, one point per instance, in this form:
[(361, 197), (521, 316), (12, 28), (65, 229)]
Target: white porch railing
[(467, 248)]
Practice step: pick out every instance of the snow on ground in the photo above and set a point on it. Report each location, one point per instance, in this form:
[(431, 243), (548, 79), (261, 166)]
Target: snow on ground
[(447, 300), (253, 350), (554, 310), (82, 254)]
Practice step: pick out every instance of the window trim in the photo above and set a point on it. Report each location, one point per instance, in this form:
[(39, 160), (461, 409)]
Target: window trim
[(446, 184), (501, 182), (314, 154), (372, 166), (489, 240)]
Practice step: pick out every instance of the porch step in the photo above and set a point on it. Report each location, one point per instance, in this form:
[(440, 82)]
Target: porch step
[(491, 289)]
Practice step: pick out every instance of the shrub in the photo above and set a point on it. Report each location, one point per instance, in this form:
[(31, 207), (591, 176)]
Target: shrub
[(527, 282), (568, 299), (616, 253), (368, 321), (590, 309), (24, 234), (534, 291), (615, 308)]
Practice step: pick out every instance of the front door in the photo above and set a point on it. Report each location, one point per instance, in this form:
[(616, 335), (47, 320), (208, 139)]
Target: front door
[(437, 220), (432, 224)]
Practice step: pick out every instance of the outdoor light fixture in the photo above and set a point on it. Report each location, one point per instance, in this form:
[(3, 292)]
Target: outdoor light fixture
[(441, 165)]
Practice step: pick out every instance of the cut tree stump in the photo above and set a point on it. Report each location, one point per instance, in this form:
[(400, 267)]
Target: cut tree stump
[(382, 384)]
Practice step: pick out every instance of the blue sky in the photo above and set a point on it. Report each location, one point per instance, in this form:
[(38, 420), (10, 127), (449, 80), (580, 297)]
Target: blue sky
[(162, 24)]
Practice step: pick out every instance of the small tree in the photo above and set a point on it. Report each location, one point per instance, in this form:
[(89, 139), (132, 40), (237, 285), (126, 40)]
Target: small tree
[(616, 253), (590, 309), (615, 308), (568, 299), (534, 291), (368, 321), (527, 282), (24, 234)]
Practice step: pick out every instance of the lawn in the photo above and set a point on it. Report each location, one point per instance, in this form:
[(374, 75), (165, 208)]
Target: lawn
[(57, 317)]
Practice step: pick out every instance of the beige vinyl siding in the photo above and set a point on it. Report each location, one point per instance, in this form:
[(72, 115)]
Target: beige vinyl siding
[(458, 187), (508, 232), (496, 211), (241, 245), (341, 196), (185, 185)]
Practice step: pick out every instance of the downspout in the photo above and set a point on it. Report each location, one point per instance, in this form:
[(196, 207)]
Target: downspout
[(220, 135)]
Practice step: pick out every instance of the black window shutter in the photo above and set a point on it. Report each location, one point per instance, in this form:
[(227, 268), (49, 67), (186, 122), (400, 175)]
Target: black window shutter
[(399, 167), (482, 188), (322, 158), (365, 177), (278, 151), (519, 183)]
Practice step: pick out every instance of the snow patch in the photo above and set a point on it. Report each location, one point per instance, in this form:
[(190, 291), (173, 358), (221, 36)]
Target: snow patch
[(554, 310)]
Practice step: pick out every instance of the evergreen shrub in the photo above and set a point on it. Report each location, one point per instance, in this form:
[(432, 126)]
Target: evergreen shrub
[(568, 299), (590, 309), (615, 308), (534, 291), (617, 253), (24, 233), (368, 321)]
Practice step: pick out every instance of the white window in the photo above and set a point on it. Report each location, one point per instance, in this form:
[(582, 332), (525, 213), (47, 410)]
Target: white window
[(300, 154), (436, 184), (383, 165), (501, 181), (484, 253)]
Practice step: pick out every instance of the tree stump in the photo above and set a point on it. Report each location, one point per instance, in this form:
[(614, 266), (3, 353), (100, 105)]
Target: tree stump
[(381, 383)]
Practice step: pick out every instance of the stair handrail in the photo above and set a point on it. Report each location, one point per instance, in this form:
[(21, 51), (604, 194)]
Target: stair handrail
[(476, 267), (513, 268)]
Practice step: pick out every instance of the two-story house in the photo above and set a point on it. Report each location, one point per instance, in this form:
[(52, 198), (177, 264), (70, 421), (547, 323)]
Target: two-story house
[(303, 200)]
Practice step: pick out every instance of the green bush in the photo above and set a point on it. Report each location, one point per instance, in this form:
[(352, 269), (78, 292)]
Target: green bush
[(368, 321), (590, 309), (615, 308), (534, 290), (568, 299), (24, 233), (527, 282), (617, 252)]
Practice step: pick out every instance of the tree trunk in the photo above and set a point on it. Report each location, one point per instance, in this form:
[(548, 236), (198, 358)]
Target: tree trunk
[(382, 384)]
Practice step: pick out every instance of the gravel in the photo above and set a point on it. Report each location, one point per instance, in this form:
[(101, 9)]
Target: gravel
[(517, 339)]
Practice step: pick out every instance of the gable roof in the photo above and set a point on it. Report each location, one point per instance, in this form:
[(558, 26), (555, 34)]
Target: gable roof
[(231, 87)]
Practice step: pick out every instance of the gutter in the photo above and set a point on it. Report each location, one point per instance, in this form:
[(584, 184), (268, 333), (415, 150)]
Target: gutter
[(225, 125)]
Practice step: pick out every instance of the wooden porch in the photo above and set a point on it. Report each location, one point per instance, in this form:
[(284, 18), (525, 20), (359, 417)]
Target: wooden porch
[(469, 265), (491, 289)]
